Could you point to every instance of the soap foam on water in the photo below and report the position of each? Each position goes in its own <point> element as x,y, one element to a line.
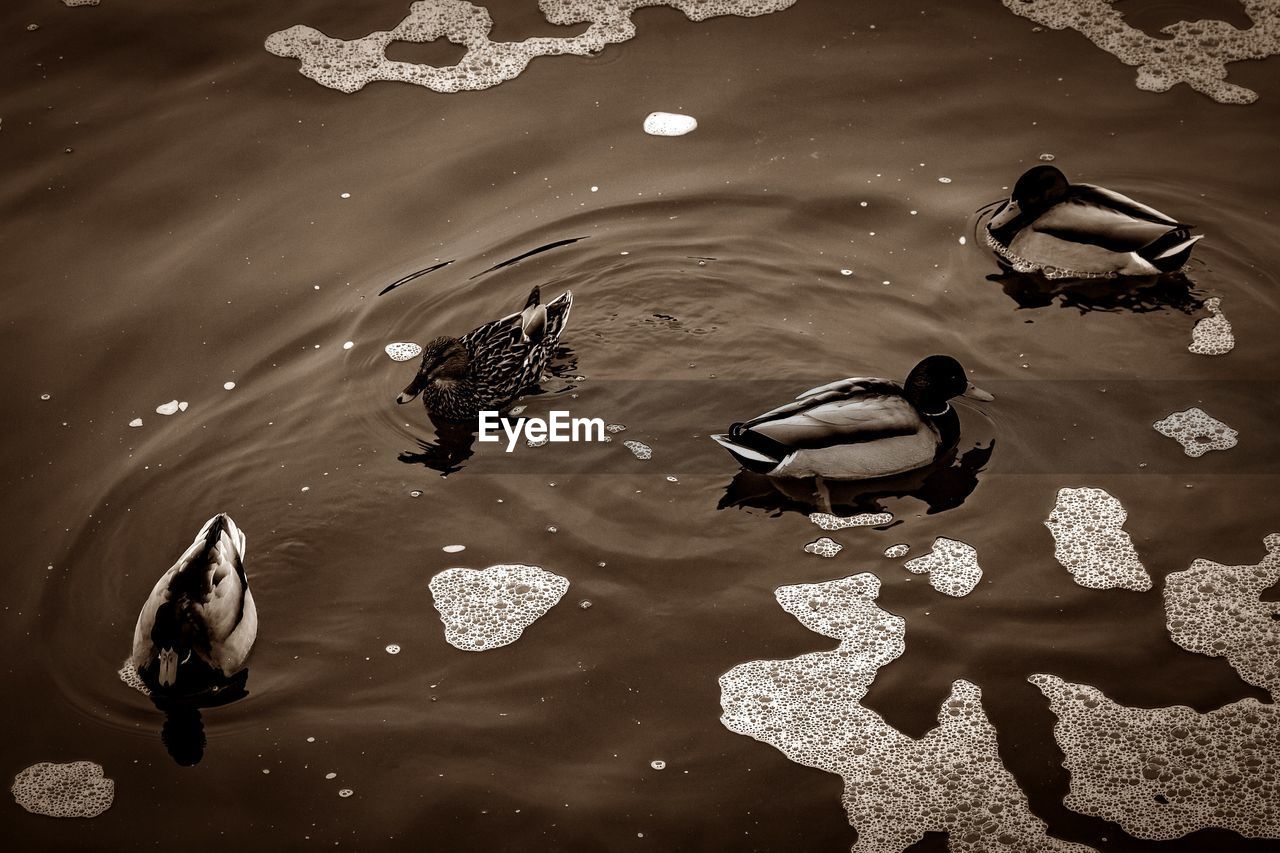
<point>824,547</point>
<point>491,608</point>
<point>1195,52</point>
<point>896,788</point>
<point>77,789</point>
<point>348,65</point>
<point>639,449</point>
<point>403,350</point>
<point>1212,335</point>
<point>1217,610</point>
<point>1089,542</point>
<point>669,124</point>
<point>1164,772</point>
<point>952,567</point>
<point>1197,431</point>
<point>827,521</point>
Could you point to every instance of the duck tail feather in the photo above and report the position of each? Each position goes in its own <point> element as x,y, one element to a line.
<point>753,451</point>
<point>1170,252</point>
<point>535,296</point>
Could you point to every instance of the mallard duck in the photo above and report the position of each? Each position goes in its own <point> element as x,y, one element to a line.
<point>859,428</point>
<point>201,607</point>
<point>489,367</point>
<point>1079,230</point>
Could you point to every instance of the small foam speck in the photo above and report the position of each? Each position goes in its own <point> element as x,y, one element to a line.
<point>899,550</point>
<point>824,547</point>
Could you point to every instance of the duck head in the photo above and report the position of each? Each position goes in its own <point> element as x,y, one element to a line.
<point>174,638</point>
<point>937,379</point>
<point>444,358</point>
<point>1039,188</point>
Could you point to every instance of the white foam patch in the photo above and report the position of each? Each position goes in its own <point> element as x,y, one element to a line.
<point>639,449</point>
<point>1217,610</point>
<point>169,408</point>
<point>1090,543</point>
<point>1212,335</point>
<point>1165,772</point>
<point>349,65</point>
<point>615,427</point>
<point>899,550</point>
<point>895,788</point>
<point>952,567</point>
<point>135,423</point>
<point>129,675</point>
<point>1197,431</point>
<point>403,350</point>
<point>74,3</point>
<point>1193,52</point>
<point>77,789</point>
<point>827,521</point>
<point>491,608</point>
<point>824,547</point>
<point>669,124</point>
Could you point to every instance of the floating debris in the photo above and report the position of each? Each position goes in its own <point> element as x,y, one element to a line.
<point>1197,431</point>
<point>1090,544</point>
<point>169,408</point>
<point>403,351</point>
<point>1217,610</point>
<point>1191,52</point>
<point>77,789</point>
<point>1165,772</point>
<point>1212,335</point>
<point>827,521</point>
<point>348,65</point>
<point>824,547</point>
<point>669,124</point>
<point>899,550</point>
<point>639,449</point>
<point>491,608</point>
<point>952,567</point>
<point>896,788</point>
<point>136,422</point>
<point>348,344</point>
<point>453,549</point>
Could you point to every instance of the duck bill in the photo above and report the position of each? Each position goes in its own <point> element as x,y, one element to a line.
<point>973,392</point>
<point>1004,215</point>
<point>168,673</point>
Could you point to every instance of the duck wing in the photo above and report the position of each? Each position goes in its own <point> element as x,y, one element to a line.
<point>851,410</point>
<point>1100,217</point>
<point>228,611</point>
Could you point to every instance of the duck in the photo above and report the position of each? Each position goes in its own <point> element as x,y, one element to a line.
<point>1081,230</point>
<point>200,611</point>
<point>489,367</point>
<point>859,428</point>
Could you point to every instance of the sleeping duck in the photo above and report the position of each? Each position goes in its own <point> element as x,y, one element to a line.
<point>489,367</point>
<point>1079,230</point>
<point>201,608</point>
<point>858,428</point>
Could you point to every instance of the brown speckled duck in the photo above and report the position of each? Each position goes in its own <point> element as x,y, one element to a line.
<point>488,368</point>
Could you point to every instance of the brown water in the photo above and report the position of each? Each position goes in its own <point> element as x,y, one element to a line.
<point>195,234</point>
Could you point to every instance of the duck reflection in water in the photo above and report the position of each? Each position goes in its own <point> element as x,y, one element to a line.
<point>183,731</point>
<point>854,441</point>
<point>1140,295</point>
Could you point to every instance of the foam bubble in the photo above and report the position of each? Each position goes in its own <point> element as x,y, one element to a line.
<point>1164,772</point>
<point>899,550</point>
<point>896,788</point>
<point>1216,610</point>
<point>952,567</point>
<point>491,608</point>
<point>349,65</point>
<point>824,547</point>
<point>1197,431</point>
<point>827,521</point>
<point>135,423</point>
<point>639,449</point>
<point>669,124</point>
<point>403,351</point>
<point>1212,335</point>
<point>1089,542</point>
<point>77,789</point>
<point>1195,52</point>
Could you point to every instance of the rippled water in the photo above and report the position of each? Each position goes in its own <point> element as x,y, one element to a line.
<point>181,210</point>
